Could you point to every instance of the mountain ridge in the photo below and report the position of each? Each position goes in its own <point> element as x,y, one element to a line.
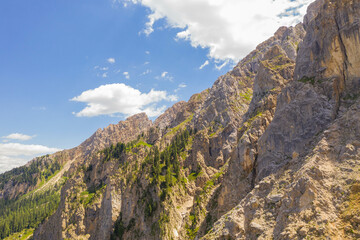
<point>270,151</point>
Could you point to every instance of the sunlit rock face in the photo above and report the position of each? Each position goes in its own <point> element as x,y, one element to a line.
<point>270,151</point>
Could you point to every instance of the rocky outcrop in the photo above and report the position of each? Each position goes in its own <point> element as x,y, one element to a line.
<point>274,72</point>
<point>124,131</point>
<point>330,51</point>
<point>270,151</point>
<point>167,119</point>
<point>304,176</point>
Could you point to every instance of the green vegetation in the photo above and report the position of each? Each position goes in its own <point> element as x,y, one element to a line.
<point>142,143</point>
<point>191,229</point>
<point>165,168</point>
<point>306,79</point>
<point>353,206</point>
<point>194,175</point>
<point>275,67</point>
<point>42,169</point>
<point>164,173</point>
<point>194,219</point>
<point>88,196</point>
<point>351,209</point>
<point>247,95</point>
<point>248,124</point>
<point>115,151</point>
<point>23,235</point>
<point>180,126</point>
<point>119,229</point>
<point>27,212</point>
<point>351,97</point>
<point>209,184</point>
<point>164,219</point>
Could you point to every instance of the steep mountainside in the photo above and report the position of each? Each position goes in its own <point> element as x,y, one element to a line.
<point>270,151</point>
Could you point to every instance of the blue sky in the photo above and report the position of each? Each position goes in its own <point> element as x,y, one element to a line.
<point>58,57</point>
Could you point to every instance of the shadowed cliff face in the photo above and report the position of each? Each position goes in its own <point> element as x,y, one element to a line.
<point>270,151</point>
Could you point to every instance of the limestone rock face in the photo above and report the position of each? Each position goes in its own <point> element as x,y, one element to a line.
<point>270,151</point>
<point>274,72</point>
<point>330,50</point>
<point>167,119</point>
<point>124,131</point>
<point>300,163</point>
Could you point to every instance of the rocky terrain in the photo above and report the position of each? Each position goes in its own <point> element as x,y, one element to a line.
<point>270,151</point>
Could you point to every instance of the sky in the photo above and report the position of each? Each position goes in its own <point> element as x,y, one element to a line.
<point>70,67</point>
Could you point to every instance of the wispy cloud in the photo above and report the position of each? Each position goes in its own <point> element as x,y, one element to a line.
<point>121,99</point>
<point>148,71</point>
<point>104,75</point>
<point>111,60</point>
<point>165,76</point>
<point>204,64</point>
<point>219,67</point>
<point>181,85</point>
<point>126,75</point>
<point>19,136</point>
<point>147,52</point>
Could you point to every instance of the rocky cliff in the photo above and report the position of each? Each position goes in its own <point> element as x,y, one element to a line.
<point>270,151</point>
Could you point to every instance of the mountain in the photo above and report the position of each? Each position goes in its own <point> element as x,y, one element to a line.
<point>270,151</point>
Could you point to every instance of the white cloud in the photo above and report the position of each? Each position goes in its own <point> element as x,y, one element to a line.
<point>181,85</point>
<point>8,163</point>
<point>204,64</point>
<point>229,28</point>
<point>17,149</point>
<point>16,154</point>
<point>18,136</point>
<point>163,75</point>
<point>146,63</point>
<point>126,75</point>
<point>119,98</point>
<point>152,18</point>
<point>148,71</point>
<point>104,68</point>
<point>147,52</point>
<point>219,67</point>
<point>104,75</point>
<point>111,60</point>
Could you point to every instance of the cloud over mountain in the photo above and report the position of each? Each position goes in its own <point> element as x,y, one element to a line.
<point>229,28</point>
<point>119,98</point>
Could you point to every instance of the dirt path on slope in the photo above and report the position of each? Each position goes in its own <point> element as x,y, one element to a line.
<point>57,177</point>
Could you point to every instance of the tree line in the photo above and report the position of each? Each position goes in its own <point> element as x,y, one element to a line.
<point>27,212</point>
